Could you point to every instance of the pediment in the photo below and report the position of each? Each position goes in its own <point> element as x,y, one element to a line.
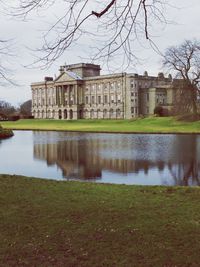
<point>67,76</point>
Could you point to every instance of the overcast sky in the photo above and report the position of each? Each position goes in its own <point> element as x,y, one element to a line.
<point>27,34</point>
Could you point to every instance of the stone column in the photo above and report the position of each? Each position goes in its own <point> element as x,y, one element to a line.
<point>109,99</point>
<point>56,96</point>
<point>62,96</point>
<point>68,87</point>
<point>75,95</point>
<point>152,100</point>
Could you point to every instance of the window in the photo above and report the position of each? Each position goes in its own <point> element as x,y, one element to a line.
<point>93,99</point>
<point>147,96</point>
<point>118,113</point>
<point>132,94</point>
<point>112,98</point>
<point>105,99</point>
<point>99,99</point>
<point>118,98</point>
<point>92,113</point>
<point>86,100</point>
<point>71,100</point>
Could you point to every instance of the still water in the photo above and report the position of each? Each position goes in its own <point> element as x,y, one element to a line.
<point>148,159</point>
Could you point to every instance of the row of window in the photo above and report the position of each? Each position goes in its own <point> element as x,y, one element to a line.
<point>143,84</point>
<point>85,113</point>
<point>134,94</point>
<point>134,100</point>
<point>104,86</point>
<point>103,99</point>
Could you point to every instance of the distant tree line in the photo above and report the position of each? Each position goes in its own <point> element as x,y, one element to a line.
<point>10,112</point>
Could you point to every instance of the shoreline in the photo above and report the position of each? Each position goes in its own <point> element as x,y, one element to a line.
<point>6,133</point>
<point>107,132</point>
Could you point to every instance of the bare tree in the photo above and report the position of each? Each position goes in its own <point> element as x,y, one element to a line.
<point>5,55</point>
<point>184,61</point>
<point>6,108</point>
<point>114,25</point>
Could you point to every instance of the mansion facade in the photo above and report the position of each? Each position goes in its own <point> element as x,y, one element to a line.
<point>80,92</point>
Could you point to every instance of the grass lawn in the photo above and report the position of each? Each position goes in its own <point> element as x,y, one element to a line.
<point>147,125</point>
<point>51,223</point>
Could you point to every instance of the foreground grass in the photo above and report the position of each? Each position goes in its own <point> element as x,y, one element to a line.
<point>50,223</point>
<point>148,125</point>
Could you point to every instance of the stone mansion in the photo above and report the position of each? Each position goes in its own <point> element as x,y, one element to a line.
<point>80,92</point>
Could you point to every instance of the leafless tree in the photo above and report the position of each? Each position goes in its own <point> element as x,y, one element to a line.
<point>6,108</point>
<point>5,55</point>
<point>184,61</point>
<point>114,25</point>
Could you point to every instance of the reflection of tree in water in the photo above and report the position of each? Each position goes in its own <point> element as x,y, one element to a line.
<point>187,170</point>
<point>85,158</point>
<point>186,174</point>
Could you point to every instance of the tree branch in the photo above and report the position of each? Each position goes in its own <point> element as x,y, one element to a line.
<point>100,14</point>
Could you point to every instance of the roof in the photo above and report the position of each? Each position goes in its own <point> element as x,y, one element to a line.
<point>73,75</point>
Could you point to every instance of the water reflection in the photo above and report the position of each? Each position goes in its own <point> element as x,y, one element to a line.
<point>174,158</point>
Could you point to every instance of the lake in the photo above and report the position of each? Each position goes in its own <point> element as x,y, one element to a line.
<point>143,159</point>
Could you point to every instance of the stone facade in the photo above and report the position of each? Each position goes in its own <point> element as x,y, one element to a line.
<point>80,92</point>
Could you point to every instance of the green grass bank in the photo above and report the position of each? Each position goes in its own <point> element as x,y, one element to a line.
<point>147,125</point>
<point>50,223</point>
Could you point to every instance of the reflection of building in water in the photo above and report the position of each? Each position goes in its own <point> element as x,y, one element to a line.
<point>84,156</point>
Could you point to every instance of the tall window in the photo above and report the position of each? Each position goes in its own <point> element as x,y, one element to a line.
<point>118,98</point>
<point>86,100</point>
<point>93,99</point>
<point>71,100</point>
<point>105,99</point>
<point>99,99</point>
